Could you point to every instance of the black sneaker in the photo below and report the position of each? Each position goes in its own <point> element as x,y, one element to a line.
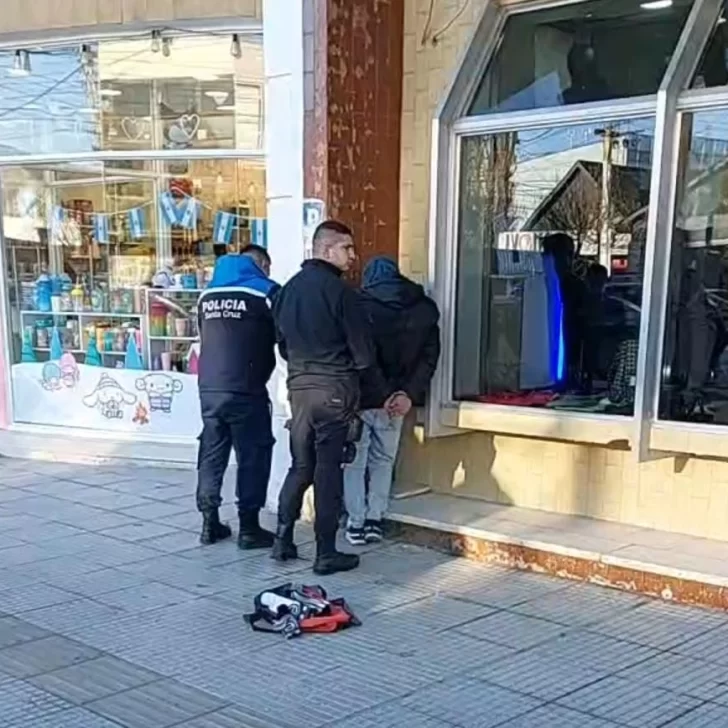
<point>373,532</point>
<point>356,536</point>
<point>333,563</point>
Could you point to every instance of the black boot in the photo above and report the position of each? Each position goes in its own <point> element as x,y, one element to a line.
<point>331,561</point>
<point>283,547</point>
<point>251,535</point>
<point>212,530</point>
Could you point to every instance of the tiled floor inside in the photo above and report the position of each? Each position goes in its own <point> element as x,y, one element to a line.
<point>112,616</point>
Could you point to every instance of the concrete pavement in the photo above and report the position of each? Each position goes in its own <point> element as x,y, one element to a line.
<point>112,616</point>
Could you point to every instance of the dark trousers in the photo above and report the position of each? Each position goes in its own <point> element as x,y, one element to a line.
<point>320,428</point>
<point>242,423</point>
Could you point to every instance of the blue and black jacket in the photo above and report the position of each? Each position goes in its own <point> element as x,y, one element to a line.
<point>237,333</point>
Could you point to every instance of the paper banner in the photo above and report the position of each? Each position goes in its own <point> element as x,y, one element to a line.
<point>224,226</point>
<point>101,228</point>
<point>259,231</point>
<point>136,222</point>
<point>168,208</point>
<point>187,213</point>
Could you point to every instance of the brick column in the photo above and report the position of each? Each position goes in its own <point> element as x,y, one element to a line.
<point>352,102</point>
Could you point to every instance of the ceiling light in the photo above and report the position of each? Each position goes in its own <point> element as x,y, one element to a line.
<point>166,47</point>
<point>156,41</point>
<point>721,20</point>
<point>656,4</point>
<point>236,50</point>
<point>226,107</point>
<point>86,55</point>
<point>88,110</point>
<point>109,92</point>
<point>21,64</point>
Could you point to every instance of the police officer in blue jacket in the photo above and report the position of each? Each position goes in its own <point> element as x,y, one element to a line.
<point>237,358</point>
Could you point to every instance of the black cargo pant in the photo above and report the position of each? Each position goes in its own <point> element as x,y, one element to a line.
<point>321,426</point>
<point>241,423</point>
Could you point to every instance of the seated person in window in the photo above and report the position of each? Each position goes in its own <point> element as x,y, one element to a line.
<point>593,316</point>
<point>560,247</point>
<point>586,83</point>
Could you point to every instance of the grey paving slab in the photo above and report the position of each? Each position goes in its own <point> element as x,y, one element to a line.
<point>174,542</point>
<point>33,596</point>
<point>96,582</point>
<point>103,520</point>
<point>14,631</point>
<point>50,531</point>
<point>22,704</point>
<point>707,715</point>
<point>233,718</point>
<point>663,626</point>
<point>95,477</point>
<point>39,656</point>
<point>629,703</point>
<point>94,679</point>
<point>595,651</point>
<point>546,678</point>
<point>139,531</point>
<point>512,630</point>
<point>710,647</point>
<point>146,596</point>
<point>154,510</point>
<point>64,618</point>
<point>554,716</point>
<point>156,705</point>
<point>680,674</point>
<point>73,718</point>
<point>390,716</point>
<point>581,605</point>
<point>470,703</point>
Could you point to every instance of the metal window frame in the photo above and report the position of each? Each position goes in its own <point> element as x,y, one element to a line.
<point>445,416</point>
<point>60,39</point>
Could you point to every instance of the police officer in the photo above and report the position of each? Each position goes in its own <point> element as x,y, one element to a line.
<point>237,358</point>
<point>326,341</point>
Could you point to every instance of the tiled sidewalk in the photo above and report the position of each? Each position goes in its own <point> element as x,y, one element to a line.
<point>111,615</point>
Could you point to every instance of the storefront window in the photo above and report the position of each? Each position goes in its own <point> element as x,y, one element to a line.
<point>176,92</point>
<point>695,373</point>
<point>551,246</point>
<point>581,52</point>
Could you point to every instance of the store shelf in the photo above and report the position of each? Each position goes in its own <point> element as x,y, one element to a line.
<point>83,314</point>
<point>174,338</point>
<point>177,290</point>
<point>65,351</point>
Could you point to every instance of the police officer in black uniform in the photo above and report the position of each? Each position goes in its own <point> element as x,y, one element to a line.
<point>326,340</point>
<point>237,358</point>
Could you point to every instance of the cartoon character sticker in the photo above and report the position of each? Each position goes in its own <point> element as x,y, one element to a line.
<point>141,416</point>
<point>51,377</point>
<point>70,373</point>
<point>109,398</point>
<point>160,389</point>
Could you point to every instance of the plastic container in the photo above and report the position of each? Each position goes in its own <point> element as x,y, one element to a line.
<point>158,319</point>
<point>77,296</point>
<point>43,293</point>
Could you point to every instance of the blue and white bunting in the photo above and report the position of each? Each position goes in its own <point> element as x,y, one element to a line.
<point>259,231</point>
<point>101,228</point>
<point>168,208</point>
<point>187,213</point>
<point>136,221</point>
<point>222,233</point>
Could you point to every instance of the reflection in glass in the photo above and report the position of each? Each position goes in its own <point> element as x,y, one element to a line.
<point>89,246</point>
<point>579,53</point>
<point>713,68</point>
<point>695,377</point>
<point>121,95</point>
<point>550,265</point>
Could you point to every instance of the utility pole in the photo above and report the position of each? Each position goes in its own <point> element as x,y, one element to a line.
<point>609,136</point>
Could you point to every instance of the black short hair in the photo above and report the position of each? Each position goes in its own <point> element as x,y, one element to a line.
<point>331,227</point>
<point>558,245</point>
<point>256,252</point>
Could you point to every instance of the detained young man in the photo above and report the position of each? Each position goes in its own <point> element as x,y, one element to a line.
<point>406,332</point>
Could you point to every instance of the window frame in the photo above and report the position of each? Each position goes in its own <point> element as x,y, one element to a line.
<point>444,415</point>
<point>55,39</point>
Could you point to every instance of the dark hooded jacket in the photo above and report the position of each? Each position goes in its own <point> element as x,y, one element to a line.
<point>406,331</point>
<point>237,333</point>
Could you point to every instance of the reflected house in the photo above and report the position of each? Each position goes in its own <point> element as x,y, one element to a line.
<point>576,206</point>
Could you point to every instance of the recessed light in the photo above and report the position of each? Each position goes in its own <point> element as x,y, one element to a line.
<point>109,92</point>
<point>656,5</point>
<point>226,107</point>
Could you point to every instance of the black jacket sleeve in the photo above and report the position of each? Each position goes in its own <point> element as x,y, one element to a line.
<point>419,381</point>
<point>279,338</point>
<point>357,331</point>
